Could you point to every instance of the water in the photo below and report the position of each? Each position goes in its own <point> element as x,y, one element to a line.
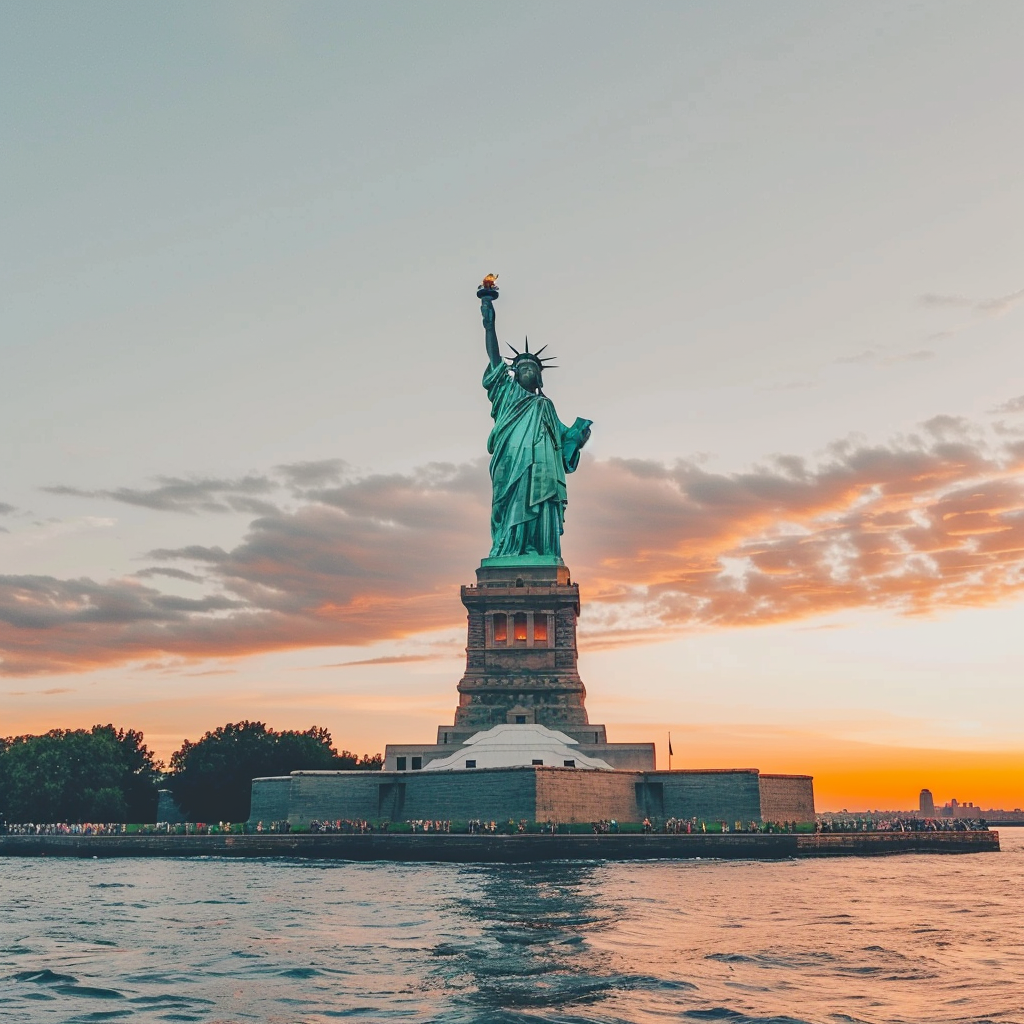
<point>919,938</point>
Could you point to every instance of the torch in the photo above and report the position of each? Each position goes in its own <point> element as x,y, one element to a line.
<point>488,289</point>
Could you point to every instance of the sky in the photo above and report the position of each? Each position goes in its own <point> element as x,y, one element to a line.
<point>776,248</point>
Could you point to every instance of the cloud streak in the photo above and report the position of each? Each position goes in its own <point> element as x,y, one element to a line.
<point>926,523</point>
<point>1013,405</point>
<point>390,659</point>
<point>999,305</point>
<point>199,495</point>
<point>188,496</point>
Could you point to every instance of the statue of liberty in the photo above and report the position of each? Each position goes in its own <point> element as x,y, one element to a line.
<point>531,449</point>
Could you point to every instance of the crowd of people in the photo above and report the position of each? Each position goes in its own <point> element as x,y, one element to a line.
<point>693,825</point>
<point>160,828</point>
<point>870,824</point>
<point>344,825</point>
<point>189,828</point>
<point>63,828</point>
<point>478,826</point>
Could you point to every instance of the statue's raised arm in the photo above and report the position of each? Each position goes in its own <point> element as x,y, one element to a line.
<point>531,449</point>
<point>487,293</point>
<point>490,334</point>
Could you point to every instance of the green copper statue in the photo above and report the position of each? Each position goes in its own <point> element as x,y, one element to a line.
<point>531,449</point>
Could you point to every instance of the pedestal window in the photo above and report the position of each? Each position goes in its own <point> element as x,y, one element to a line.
<point>540,628</point>
<point>519,628</point>
<point>500,628</point>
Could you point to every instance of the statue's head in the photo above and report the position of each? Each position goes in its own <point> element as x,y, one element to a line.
<point>528,367</point>
<point>528,373</point>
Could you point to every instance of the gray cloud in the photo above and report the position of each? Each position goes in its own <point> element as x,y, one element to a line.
<point>917,356</point>
<point>392,659</point>
<point>1001,304</point>
<point>869,355</point>
<point>957,301</point>
<point>313,474</point>
<point>48,693</point>
<point>7,510</point>
<point>194,552</point>
<point>790,385</point>
<point>873,356</point>
<point>48,624</point>
<point>174,574</point>
<point>997,306</point>
<point>1010,406</point>
<point>188,496</point>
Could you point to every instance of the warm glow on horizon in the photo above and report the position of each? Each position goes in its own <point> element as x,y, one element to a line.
<point>855,776</point>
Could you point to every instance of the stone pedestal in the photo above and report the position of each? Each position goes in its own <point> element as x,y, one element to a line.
<point>521,666</point>
<point>521,649</point>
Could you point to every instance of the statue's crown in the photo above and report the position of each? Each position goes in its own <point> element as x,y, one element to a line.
<point>533,357</point>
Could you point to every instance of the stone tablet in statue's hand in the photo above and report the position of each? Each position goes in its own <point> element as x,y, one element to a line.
<point>579,433</point>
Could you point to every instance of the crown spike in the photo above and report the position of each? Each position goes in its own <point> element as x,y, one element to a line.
<point>527,342</point>
<point>541,349</point>
<point>514,349</point>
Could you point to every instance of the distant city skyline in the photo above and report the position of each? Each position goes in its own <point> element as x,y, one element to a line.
<point>776,248</point>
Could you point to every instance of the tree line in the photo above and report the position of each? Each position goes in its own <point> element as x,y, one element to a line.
<point>106,774</point>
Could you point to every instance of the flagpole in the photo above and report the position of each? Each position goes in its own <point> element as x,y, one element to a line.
<point>670,751</point>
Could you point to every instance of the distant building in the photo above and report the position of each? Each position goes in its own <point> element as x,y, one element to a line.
<point>955,809</point>
<point>927,803</point>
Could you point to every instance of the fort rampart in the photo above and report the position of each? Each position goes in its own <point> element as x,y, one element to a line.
<point>534,794</point>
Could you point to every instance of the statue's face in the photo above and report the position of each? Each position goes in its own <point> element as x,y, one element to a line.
<point>528,375</point>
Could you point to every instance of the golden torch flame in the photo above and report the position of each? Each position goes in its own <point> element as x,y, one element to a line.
<point>489,280</point>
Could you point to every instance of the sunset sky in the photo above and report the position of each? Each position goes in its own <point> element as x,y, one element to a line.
<point>777,249</point>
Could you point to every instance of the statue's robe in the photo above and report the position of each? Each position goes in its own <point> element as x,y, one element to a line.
<point>531,451</point>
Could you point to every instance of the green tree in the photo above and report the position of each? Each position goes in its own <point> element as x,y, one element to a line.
<point>346,761</point>
<point>104,774</point>
<point>212,778</point>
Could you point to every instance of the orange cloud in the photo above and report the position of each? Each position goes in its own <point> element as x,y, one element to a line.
<point>915,528</point>
<point>929,522</point>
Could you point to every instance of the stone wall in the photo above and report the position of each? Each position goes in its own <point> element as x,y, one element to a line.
<point>568,794</point>
<point>270,799</point>
<point>354,796</point>
<point>728,795</point>
<point>499,794</point>
<point>488,794</point>
<point>787,797</point>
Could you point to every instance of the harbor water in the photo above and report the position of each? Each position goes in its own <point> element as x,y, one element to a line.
<point>912,938</point>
